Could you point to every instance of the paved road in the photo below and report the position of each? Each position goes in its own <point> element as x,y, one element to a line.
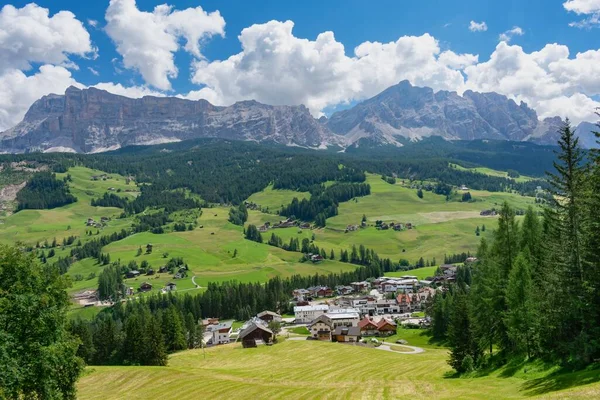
<point>415,350</point>
<point>384,347</point>
<point>194,282</point>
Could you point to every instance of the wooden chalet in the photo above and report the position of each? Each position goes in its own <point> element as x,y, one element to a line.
<point>367,327</point>
<point>346,334</point>
<point>269,316</point>
<point>256,334</point>
<point>386,327</point>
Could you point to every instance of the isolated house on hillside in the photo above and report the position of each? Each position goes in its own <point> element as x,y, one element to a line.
<point>145,287</point>
<point>133,274</point>
<point>256,334</point>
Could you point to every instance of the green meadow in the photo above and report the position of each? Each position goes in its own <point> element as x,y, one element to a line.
<point>273,199</point>
<point>442,227</point>
<point>31,226</point>
<point>492,172</point>
<point>217,251</point>
<point>324,370</point>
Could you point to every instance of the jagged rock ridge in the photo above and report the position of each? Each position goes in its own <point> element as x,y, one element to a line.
<point>406,111</point>
<point>93,120</point>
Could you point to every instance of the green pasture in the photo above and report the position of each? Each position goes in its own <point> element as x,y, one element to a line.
<point>324,370</point>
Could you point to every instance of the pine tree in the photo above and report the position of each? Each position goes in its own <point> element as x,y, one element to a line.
<point>521,317</point>
<point>592,265</point>
<point>173,330</point>
<point>154,345</point>
<point>133,344</point>
<point>483,297</point>
<point>568,224</point>
<point>460,335</point>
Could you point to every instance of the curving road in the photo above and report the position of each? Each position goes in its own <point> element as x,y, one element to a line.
<point>415,350</point>
<point>384,347</point>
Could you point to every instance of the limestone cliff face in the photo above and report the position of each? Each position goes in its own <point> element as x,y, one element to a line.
<point>406,111</point>
<point>93,120</point>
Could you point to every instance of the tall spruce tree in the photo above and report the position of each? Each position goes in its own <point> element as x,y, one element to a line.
<point>460,334</point>
<point>484,298</point>
<point>568,225</point>
<point>592,267</point>
<point>522,316</point>
<point>154,345</point>
<point>502,256</point>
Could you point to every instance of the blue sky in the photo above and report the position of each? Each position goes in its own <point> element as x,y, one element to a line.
<point>551,82</point>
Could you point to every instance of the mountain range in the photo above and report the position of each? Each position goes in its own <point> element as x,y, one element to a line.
<point>93,120</point>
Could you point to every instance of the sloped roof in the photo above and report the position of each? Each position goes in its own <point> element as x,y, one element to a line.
<point>251,328</point>
<point>383,322</point>
<point>266,312</point>
<point>366,321</point>
<point>321,318</point>
<point>347,330</point>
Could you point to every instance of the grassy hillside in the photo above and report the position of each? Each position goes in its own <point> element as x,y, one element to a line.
<point>493,172</point>
<point>443,227</point>
<point>272,199</point>
<point>317,370</point>
<point>30,226</point>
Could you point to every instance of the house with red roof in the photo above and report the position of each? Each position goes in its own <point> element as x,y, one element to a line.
<point>367,326</point>
<point>404,302</point>
<point>386,327</point>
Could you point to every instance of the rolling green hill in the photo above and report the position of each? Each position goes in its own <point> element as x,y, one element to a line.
<point>442,227</point>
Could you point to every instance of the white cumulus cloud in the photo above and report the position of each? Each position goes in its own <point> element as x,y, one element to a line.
<point>548,80</point>
<point>30,34</point>
<point>478,26</point>
<point>591,8</point>
<point>18,91</point>
<point>276,67</point>
<point>509,34</point>
<point>147,41</point>
<point>134,92</point>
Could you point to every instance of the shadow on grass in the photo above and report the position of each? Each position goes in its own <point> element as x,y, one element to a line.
<point>560,380</point>
<point>550,379</point>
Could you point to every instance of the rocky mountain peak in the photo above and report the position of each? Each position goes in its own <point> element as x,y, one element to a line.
<point>91,120</point>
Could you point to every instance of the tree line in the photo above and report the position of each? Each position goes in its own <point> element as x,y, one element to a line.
<point>44,191</point>
<point>535,291</point>
<point>324,202</point>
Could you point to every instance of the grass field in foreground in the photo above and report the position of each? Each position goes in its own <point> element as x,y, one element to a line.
<point>318,370</point>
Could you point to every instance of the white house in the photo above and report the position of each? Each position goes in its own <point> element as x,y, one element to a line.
<point>306,314</point>
<point>221,332</point>
<point>320,328</point>
<point>343,319</point>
